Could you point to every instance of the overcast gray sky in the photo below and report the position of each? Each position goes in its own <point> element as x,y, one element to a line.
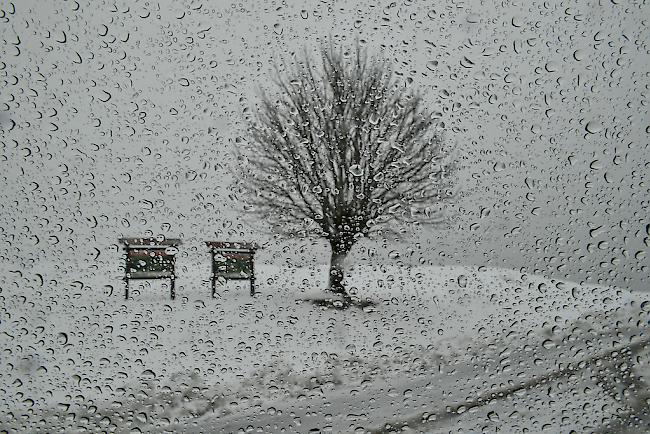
<point>120,118</point>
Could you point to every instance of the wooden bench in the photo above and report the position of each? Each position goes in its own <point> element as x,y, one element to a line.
<point>150,258</point>
<point>232,261</point>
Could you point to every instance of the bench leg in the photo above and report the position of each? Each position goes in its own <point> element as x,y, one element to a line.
<point>173,288</point>
<point>126,288</point>
<point>214,288</point>
<point>252,278</point>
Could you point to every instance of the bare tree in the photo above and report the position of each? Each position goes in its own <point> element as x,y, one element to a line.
<point>343,150</point>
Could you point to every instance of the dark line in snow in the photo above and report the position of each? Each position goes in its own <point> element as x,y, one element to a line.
<point>430,419</point>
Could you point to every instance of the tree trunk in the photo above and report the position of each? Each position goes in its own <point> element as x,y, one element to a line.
<point>337,271</point>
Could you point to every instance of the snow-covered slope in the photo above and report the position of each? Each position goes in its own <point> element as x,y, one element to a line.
<point>76,354</point>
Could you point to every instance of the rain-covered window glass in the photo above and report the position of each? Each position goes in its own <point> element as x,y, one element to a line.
<point>324,216</point>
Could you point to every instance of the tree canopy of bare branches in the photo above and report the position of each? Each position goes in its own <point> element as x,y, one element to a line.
<point>342,150</point>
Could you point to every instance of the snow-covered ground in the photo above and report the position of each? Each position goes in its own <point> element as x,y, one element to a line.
<point>444,349</point>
